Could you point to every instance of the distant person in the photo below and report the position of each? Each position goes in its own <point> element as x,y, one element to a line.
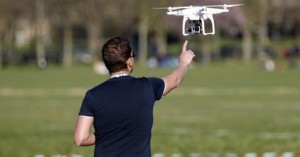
<point>293,57</point>
<point>121,108</point>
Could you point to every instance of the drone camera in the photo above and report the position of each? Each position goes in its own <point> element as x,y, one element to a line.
<point>194,30</point>
<point>195,27</point>
<point>196,22</point>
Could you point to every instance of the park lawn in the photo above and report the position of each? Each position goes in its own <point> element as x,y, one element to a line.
<point>219,108</point>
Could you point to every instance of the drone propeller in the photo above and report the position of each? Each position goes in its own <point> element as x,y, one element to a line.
<point>225,5</point>
<point>174,8</point>
<point>161,8</point>
<point>185,7</point>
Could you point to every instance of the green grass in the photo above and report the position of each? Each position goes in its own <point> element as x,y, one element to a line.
<point>223,107</point>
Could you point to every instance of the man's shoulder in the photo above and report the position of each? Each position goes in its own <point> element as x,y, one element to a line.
<point>98,87</point>
<point>154,79</point>
<point>150,78</point>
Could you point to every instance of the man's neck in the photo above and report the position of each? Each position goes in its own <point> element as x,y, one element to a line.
<point>119,74</point>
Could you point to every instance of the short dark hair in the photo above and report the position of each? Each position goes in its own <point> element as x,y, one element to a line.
<point>115,53</point>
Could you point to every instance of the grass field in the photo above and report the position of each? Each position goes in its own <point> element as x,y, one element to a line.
<point>221,108</point>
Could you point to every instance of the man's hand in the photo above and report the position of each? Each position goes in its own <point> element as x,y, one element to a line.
<point>186,56</point>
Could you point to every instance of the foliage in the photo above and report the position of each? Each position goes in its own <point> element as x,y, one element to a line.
<point>136,19</point>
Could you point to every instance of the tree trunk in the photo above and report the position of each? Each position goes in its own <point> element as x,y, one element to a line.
<point>68,45</point>
<point>143,38</point>
<point>263,38</point>
<point>247,42</point>
<point>161,41</point>
<point>1,52</point>
<point>40,34</point>
<point>94,42</point>
<point>263,30</point>
<point>206,49</point>
<point>40,50</point>
<point>216,43</point>
<point>9,42</point>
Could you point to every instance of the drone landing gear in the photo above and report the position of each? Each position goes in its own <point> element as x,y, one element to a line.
<point>195,27</point>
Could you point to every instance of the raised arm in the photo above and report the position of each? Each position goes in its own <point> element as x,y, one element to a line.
<point>176,76</point>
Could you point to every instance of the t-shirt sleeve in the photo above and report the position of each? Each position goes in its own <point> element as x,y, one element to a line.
<point>86,106</point>
<point>158,86</point>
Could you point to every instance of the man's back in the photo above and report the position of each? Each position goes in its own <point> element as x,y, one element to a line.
<point>123,115</point>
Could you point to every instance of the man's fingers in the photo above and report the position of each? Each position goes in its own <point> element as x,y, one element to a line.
<point>184,45</point>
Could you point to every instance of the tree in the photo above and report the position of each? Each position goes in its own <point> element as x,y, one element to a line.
<point>63,13</point>
<point>159,26</point>
<point>10,14</point>
<point>92,18</point>
<point>41,26</point>
<point>265,15</point>
<point>95,19</point>
<point>249,25</point>
<point>284,19</point>
<point>262,32</point>
<point>143,31</point>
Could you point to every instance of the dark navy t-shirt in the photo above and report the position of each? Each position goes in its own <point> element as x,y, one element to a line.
<point>123,115</point>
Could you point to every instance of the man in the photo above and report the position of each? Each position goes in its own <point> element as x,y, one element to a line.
<point>121,108</point>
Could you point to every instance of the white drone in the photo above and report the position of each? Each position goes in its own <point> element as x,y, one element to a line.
<point>196,16</point>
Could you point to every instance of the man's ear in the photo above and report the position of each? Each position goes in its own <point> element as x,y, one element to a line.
<point>129,62</point>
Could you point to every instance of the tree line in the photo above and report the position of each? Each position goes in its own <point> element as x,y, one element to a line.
<point>256,21</point>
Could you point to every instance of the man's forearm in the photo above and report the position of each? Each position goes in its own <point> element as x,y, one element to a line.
<point>174,79</point>
<point>178,74</point>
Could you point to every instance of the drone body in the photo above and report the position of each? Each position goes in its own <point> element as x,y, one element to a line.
<point>196,15</point>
